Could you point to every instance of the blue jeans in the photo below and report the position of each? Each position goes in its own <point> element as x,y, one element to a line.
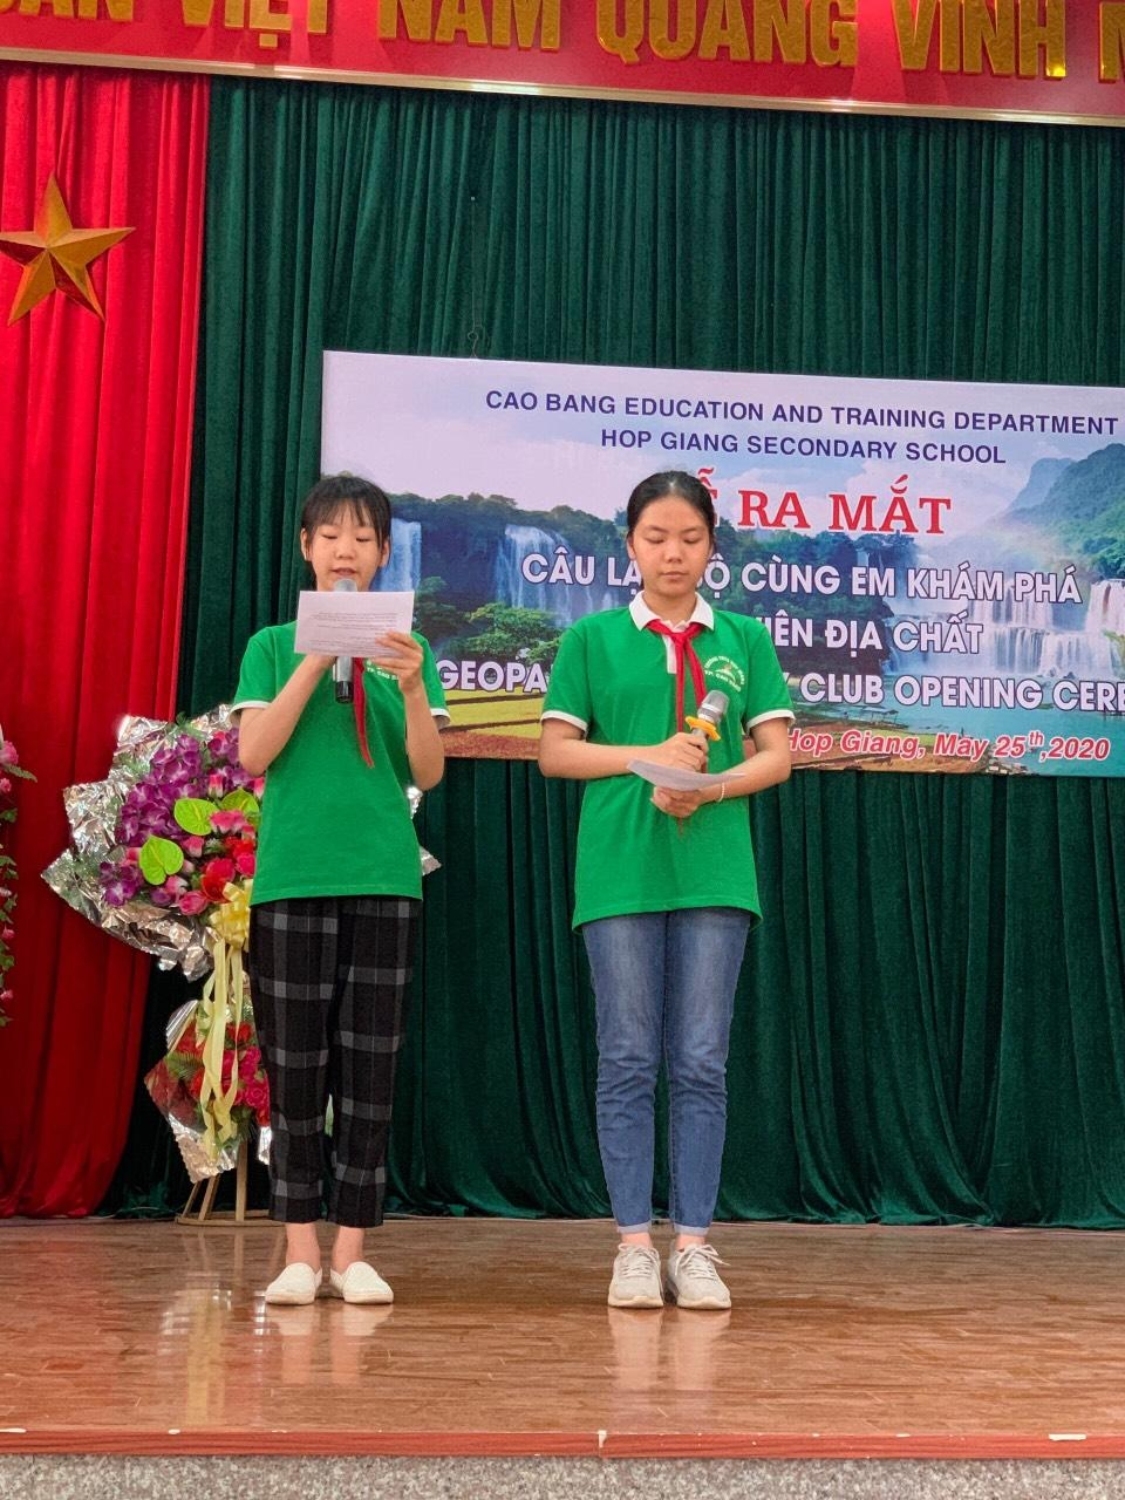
<point>664,985</point>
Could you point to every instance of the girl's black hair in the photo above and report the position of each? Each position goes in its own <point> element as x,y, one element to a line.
<point>329,496</point>
<point>677,484</point>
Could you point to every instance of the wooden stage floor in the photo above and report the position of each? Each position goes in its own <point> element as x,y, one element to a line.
<point>843,1343</point>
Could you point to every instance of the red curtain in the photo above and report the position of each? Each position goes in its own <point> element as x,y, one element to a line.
<point>95,434</point>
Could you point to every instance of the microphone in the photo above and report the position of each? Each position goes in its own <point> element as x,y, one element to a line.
<point>342,667</point>
<point>707,718</point>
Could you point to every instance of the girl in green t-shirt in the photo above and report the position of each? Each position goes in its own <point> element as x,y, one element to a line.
<point>665,884</point>
<point>335,908</point>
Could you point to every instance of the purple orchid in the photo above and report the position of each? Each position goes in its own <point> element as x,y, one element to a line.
<point>120,883</point>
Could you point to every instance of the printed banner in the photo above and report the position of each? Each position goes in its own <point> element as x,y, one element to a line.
<point>1037,59</point>
<point>941,566</point>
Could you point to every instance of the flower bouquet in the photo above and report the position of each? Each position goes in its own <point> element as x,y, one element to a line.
<point>163,857</point>
<point>187,828</point>
<point>177,1082</point>
<point>10,769</point>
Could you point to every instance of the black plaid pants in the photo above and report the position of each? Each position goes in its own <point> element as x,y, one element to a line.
<point>329,975</point>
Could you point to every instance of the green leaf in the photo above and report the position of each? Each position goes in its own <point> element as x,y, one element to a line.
<point>182,1067</point>
<point>242,801</point>
<point>159,858</point>
<point>193,814</point>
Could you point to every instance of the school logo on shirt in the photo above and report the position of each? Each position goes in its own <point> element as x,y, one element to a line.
<point>377,671</point>
<point>724,670</point>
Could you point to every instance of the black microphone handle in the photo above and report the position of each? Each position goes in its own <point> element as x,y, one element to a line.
<point>342,670</point>
<point>343,666</point>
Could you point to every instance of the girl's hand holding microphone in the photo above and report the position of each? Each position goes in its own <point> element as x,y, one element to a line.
<point>687,752</point>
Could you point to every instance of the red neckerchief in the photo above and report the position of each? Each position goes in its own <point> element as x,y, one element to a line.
<point>681,640</point>
<point>359,702</point>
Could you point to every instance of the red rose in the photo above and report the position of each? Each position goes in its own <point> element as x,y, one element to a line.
<point>258,1097</point>
<point>217,874</point>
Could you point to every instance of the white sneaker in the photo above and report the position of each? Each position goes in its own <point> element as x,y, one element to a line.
<point>693,1280</point>
<point>297,1286</point>
<point>636,1278</point>
<point>360,1283</point>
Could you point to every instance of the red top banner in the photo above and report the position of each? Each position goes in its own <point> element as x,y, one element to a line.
<point>1017,59</point>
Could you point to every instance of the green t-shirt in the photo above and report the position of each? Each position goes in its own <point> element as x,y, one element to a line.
<point>331,824</point>
<point>611,678</point>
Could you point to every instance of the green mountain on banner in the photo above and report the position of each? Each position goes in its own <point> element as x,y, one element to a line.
<point>1069,511</point>
<point>1043,474</point>
<point>1081,513</point>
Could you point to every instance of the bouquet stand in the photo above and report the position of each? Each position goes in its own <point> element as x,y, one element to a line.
<point>207,1190</point>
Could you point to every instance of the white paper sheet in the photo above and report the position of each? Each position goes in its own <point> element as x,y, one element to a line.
<point>675,779</point>
<point>337,624</point>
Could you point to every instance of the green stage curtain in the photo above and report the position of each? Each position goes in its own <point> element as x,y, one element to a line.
<point>930,1024</point>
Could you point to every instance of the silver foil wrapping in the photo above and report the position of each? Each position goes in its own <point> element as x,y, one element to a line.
<point>199,1162</point>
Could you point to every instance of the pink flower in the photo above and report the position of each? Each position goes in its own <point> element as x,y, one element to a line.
<point>216,785</point>
<point>8,934</point>
<point>5,784</point>
<point>8,754</point>
<point>7,996</point>
<point>245,864</point>
<point>193,846</point>
<point>230,822</point>
<point>170,892</point>
<point>191,903</point>
<point>258,1097</point>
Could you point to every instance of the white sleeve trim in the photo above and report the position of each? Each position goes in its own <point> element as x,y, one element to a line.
<point>236,708</point>
<point>772,713</point>
<point>557,713</point>
<point>441,713</point>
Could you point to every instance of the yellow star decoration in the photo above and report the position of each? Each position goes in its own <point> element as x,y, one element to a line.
<point>55,255</point>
